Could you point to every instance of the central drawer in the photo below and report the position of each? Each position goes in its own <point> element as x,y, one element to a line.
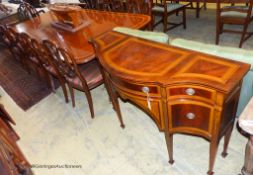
<point>192,91</point>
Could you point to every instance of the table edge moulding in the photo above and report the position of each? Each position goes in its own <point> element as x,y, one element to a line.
<point>183,91</point>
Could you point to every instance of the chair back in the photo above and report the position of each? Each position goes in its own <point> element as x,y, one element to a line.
<point>87,75</point>
<point>69,68</point>
<point>9,36</point>
<point>22,43</point>
<point>90,4</point>
<point>161,3</point>
<point>3,29</point>
<point>245,11</point>
<point>26,11</point>
<point>38,50</point>
<point>51,55</point>
<point>139,6</point>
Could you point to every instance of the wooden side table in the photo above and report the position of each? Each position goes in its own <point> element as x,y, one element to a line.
<point>246,123</point>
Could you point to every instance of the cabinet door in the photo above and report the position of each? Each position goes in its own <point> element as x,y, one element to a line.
<point>191,117</point>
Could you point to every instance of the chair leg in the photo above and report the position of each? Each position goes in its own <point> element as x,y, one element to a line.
<point>217,38</point>
<point>197,9</point>
<point>152,22</point>
<point>184,18</point>
<point>205,7</point>
<point>38,72</point>
<point>89,99</point>
<point>218,32</point>
<point>165,21</point>
<point>50,81</point>
<point>64,89</point>
<point>243,35</point>
<point>72,95</point>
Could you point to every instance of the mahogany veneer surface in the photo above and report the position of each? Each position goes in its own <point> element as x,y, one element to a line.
<point>77,42</point>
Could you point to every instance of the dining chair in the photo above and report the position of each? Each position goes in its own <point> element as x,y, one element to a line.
<point>47,53</point>
<point>198,6</point>
<point>90,4</point>
<point>234,15</point>
<point>139,6</point>
<point>26,45</point>
<point>22,50</point>
<point>8,36</point>
<point>105,5</point>
<point>164,9</point>
<point>3,28</point>
<point>83,77</point>
<point>11,40</point>
<point>26,11</point>
<point>39,56</point>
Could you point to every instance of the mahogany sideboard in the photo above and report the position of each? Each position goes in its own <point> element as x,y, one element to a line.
<point>182,91</point>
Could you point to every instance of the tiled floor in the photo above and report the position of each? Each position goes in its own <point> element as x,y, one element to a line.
<point>52,133</point>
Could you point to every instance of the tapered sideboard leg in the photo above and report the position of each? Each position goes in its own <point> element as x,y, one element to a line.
<point>169,142</point>
<point>212,155</point>
<point>226,141</point>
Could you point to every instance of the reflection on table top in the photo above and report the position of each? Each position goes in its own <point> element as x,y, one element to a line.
<point>76,43</point>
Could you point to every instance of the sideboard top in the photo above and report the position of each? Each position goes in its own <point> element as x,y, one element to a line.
<point>139,60</point>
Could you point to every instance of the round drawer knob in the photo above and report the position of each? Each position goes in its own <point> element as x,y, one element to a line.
<point>190,91</point>
<point>190,116</point>
<point>145,89</point>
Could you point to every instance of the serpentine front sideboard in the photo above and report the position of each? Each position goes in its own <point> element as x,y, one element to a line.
<point>183,91</point>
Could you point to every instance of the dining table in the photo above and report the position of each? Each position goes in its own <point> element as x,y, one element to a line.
<point>77,43</point>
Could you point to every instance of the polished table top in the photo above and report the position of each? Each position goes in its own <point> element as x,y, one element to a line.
<point>146,61</point>
<point>41,28</point>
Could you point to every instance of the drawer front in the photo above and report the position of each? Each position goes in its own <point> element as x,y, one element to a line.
<point>193,91</point>
<point>153,107</point>
<point>139,89</point>
<point>191,117</point>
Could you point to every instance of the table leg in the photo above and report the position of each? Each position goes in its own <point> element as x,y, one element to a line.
<point>248,160</point>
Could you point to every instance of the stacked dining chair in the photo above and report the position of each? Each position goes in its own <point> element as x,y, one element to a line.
<point>81,77</point>
<point>26,11</point>
<point>165,9</point>
<point>240,15</point>
<point>47,55</point>
<point>11,41</point>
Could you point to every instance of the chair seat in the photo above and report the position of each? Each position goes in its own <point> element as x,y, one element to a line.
<point>170,7</point>
<point>91,72</point>
<point>234,13</point>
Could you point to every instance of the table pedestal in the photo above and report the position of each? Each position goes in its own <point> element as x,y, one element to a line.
<point>248,161</point>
